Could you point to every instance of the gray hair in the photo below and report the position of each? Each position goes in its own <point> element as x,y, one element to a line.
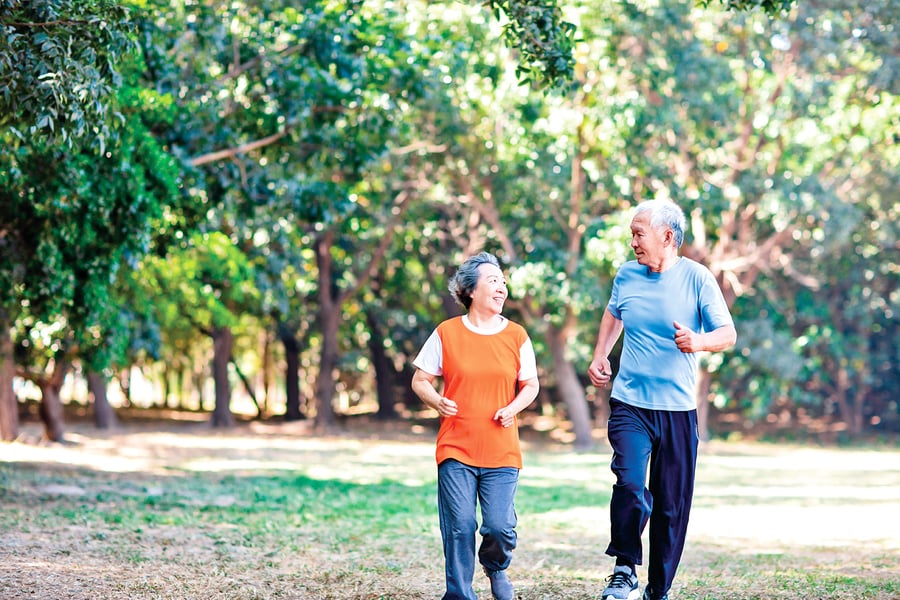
<point>665,213</point>
<point>463,282</point>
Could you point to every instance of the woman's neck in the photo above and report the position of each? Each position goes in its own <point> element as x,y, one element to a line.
<point>484,319</point>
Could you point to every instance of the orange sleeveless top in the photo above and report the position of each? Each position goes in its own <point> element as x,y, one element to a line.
<point>480,374</point>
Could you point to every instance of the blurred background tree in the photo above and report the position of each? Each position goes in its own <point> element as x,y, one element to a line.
<point>256,210</point>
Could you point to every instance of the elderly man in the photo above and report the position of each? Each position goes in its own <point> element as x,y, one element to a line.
<point>670,308</point>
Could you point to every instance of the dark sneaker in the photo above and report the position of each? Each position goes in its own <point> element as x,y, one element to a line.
<point>649,595</point>
<point>623,585</point>
<point>501,586</point>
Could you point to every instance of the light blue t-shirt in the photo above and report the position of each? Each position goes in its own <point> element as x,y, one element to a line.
<point>653,372</point>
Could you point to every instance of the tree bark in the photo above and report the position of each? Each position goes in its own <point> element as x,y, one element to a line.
<point>704,380</point>
<point>104,415</point>
<point>223,340</point>
<point>125,385</point>
<point>570,389</point>
<point>266,375</point>
<point>850,405</point>
<point>328,362</point>
<point>384,371</point>
<point>51,408</point>
<point>332,299</point>
<point>51,411</point>
<point>292,409</point>
<point>248,387</point>
<point>9,406</point>
<point>167,386</point>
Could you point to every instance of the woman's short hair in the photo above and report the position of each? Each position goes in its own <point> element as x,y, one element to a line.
<point>665,213</point>
<point>464,281</point>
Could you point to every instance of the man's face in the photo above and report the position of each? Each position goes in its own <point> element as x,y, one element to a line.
<point>649,244</point>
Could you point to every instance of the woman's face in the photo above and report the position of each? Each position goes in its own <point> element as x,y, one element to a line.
<point>490,293</point>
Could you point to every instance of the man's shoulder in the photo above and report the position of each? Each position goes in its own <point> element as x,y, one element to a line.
<point>630,269</point>
<point>695,268</point>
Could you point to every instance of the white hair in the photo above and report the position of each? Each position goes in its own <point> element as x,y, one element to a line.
<point>665,213</point>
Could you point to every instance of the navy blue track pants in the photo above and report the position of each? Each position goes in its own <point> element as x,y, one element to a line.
<point>664,445</point>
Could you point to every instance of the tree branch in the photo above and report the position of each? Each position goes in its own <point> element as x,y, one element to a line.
<point>49,23</point>
<point>400,205</point>
<point>242,149</point>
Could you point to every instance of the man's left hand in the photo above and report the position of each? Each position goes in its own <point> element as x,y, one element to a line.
<point>686,340</point>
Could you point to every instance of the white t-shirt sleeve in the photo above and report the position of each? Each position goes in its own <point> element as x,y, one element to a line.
<point>527,361</point>
<point>430,358</point>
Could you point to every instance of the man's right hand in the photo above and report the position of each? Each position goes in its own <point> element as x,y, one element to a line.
<point>600,372</point>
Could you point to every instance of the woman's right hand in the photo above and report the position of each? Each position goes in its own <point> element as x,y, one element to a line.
<point>447,407</point>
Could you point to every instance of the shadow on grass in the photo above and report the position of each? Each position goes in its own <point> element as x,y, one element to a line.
<point>330,524</point>
<point>69,493</point>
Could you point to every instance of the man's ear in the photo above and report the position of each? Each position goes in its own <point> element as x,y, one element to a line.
<point>669,237</point>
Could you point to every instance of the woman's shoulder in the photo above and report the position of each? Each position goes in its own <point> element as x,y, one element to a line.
<point>451,323</point>
<point>515,328</point>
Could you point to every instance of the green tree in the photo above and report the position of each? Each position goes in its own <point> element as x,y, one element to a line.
<point>760,129</point>
<point>283,113</point>
<point>74,200</point>
<point>58,75</point>
<point>210,287</point>
<point>709,109</point>
<point>70,221</point>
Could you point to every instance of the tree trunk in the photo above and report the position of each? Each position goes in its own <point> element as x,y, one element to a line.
<point>292,410</point>
<point>859,417</point>
<point>247,386</point>
<point>167,385</point>
<point>266,371</point>
<point>51,410</point>
<point>704,380</point>
<point>570,389</point>
<point>180,379</point>
<point>327,363</point>
<point>163,399</point>
<point>850,406</point>
<point>104,415</point>
<point>125,385</point>
<point>331,301</point>
<point>329,318</point>
<point>9,406</point>
<point>384,370</point>
<point>601,408</point>
<point>223,340</point>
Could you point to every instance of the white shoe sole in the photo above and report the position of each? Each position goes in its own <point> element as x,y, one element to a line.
<point>633,595</point>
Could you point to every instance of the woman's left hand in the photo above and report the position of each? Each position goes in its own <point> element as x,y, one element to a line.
<point>505,416</point>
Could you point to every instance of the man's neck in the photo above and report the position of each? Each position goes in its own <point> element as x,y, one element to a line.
<point>667,263</point>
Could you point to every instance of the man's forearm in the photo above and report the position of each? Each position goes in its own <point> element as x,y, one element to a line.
<point>719,339</point>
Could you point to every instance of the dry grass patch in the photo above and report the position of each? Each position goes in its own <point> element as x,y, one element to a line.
<point>272,512</point>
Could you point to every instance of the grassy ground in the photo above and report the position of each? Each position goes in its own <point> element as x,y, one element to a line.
<point>270,511</point>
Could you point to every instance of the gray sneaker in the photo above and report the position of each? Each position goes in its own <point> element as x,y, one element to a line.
<point>501,586</point>
<point>623,585</point>
<point>649,595</point>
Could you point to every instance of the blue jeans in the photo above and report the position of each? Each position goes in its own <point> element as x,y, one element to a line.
<point>665,442</point>
<point>459,486</point>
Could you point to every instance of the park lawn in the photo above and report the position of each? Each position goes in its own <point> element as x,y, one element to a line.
<point>266,512</point>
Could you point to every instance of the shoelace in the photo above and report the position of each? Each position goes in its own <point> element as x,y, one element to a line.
<point>619,579</point>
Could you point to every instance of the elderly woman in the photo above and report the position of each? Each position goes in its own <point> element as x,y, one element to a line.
<point>489,375</point>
